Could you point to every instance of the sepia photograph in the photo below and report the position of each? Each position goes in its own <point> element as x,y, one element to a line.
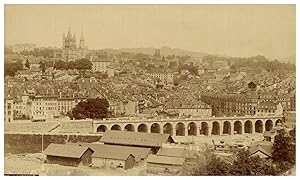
<point>149,90</point>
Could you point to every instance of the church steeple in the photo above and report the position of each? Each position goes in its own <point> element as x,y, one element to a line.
<point>70,50</point>
<point>81,43</point>
<point>69,33</point>
<point>64,39</point>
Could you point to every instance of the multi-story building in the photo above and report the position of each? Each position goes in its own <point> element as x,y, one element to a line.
<point>190,109</point>
<point>290,119</point>
<point>268,108</point>
<point>247,104</point>
<point>162,77</point>
<point>8,109</point>
<point>229,105</point>
<point>44,107</point>
<point>100,64</point>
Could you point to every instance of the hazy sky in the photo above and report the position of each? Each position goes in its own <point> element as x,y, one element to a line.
<point>236,30</point>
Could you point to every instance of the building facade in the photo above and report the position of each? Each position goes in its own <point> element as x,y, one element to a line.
<point>162,77</point>
<point>100,65</point>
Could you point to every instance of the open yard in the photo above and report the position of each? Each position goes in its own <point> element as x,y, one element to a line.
<point>32,164</point>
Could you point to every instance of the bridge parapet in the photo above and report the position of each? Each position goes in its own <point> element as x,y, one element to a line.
<point>211,119</point>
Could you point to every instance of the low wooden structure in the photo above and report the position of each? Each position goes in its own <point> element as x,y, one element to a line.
<point>109,157</point>
<point>164,164</point>
<point>68,155</point>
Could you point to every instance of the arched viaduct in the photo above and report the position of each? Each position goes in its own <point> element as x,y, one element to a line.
<point>191,126</point>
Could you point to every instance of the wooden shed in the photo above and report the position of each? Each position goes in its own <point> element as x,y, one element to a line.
<point>262,149</point>
<point>68,155</point>
<point>140,153</point>
<point>110,157</point>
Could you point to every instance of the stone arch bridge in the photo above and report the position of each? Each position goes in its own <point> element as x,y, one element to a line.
<point>191,126</point>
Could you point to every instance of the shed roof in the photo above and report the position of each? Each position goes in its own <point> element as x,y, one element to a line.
<point>265,147</point>
<point>165,160</point>
<point>66,150</point>
<point>111,153</point>
<point>176,152</point>
<point>108,151</point>
<point>135,138</point>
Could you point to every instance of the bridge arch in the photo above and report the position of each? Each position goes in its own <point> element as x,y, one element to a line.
<point>237,127</point>
<point>101,128</point>
<point>248,126</point>
<point>116,127</point>
<point>192,129</point>
<point>204,128</point>
<point>155,128</point>
<point>226,127</point>
<point>259,126</point>
<point>168,129</point>
<point>215,128</point>
<point>129,127</point>
<point>180,129</point>
<point>269,125</point>
<point>142,128</point>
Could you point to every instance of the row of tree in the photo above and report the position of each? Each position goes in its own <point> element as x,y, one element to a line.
<point>80,64</point>
<point>183,58</point>
<point>10,68</point>
<point>283,158</point>
<point>252,62</point>
<point>45,52</point>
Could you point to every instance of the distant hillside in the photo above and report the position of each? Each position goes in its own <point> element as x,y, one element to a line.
<point>288,59</point>
<point>164,51</point>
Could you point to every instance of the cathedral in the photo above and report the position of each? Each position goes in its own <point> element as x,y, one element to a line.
<point>70,52</point>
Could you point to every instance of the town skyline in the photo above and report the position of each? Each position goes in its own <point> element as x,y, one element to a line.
<point>217,35</point>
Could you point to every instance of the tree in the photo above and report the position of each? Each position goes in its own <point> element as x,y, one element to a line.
<point>240,164</point>
<point>43,66</point>
<point>141,56</point>
<point>60,65</point>
<point>70,65</point>
<point>83,64</point>
<point>10,69</point>
<point>284,148</point>
<point>27,64</point>
<point>45,52</point>
<point>92,108</point>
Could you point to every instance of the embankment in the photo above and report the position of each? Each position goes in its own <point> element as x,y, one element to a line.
<point>17,143</point>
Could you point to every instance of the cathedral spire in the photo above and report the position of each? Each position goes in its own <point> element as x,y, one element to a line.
<point>81,36</point>
<point>81,42</point>
<point>69,33</point>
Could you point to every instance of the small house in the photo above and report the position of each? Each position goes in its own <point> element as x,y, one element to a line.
<point>263,149</point>
<point>68,155</point>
